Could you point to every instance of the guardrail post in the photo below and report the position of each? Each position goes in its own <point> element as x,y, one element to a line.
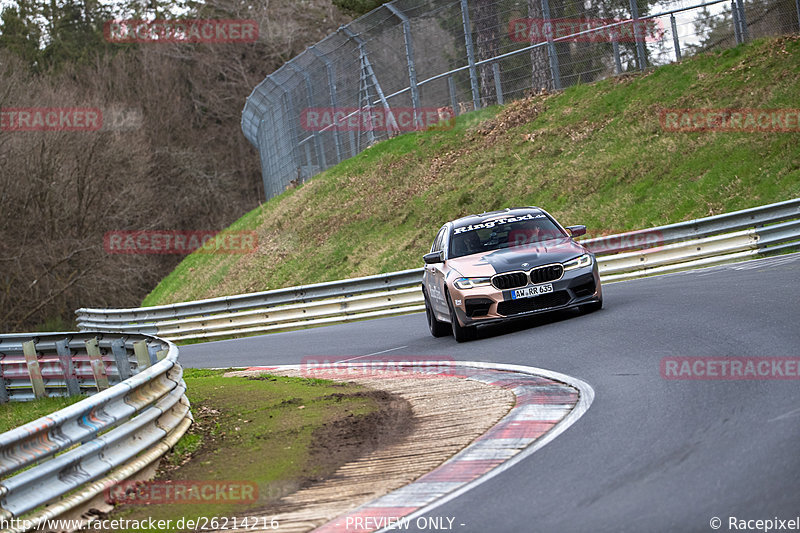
<point>121,358</point>
<point>675,42</point>
<point>161,354</point>
<point>412,69</point>
<point>473,72</point>
<point>34,371</point>
<point>552,53</point>
<point>3,391</point>
<point>152,350</point>
<point>637,35</point>
<point>142,355</point>
<point>498,85</point>
<point>97,364</point>
<point>65,362</point>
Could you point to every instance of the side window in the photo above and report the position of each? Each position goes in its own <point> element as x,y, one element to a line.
<point>437,243</point>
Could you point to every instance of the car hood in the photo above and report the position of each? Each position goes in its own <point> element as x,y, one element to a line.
<point>510,259</point>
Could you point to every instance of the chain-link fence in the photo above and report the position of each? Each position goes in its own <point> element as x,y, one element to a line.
<point>409,63</point>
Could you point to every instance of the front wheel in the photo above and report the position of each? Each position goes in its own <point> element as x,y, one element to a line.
<point>461,333</point>
<point>438,328</point>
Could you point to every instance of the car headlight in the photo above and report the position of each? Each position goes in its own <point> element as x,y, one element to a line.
<point>471,283</point>
<point>579,262</point>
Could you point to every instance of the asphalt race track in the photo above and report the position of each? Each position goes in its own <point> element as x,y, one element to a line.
<point>650,454</point>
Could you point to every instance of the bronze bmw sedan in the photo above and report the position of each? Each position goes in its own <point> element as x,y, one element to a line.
<point>502,265</point>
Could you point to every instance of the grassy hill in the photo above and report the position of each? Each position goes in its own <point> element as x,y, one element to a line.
<point>593,154</point>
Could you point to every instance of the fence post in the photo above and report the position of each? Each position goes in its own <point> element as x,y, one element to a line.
<point>555,70</point>
<point>473,72</point>
<point>331,71</point>
<point>617,59</point>
<point>743,21</point>
<point>142,355</point>
<point>412,69</point>
<point>370,74</point>
<point>364,97</point>
<point>34,371</point>
<point>797,5</point>
<point>97,364</point>
<point>65,360</point>
<point>318,148</point>
<point>287,103</point>
<point>498,85</point>
<point>451,86</point>
<point>266,129</point>
<point>637,35</point>
<point>737,29</point>
<point>265,159</point>
<point>121,359</point>
<point>675,40</point>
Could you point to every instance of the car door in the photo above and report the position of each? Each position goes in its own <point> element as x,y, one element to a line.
<point>435,277</point>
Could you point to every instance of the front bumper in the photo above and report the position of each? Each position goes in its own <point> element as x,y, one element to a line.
<point>487,305</point>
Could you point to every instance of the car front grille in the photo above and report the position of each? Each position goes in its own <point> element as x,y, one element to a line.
<point>511,280</point>
<point>546,273</point>
<point>523,305</point>
<point>515,280</point>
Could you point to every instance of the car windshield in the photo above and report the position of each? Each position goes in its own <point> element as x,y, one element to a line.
<point>503,232</point>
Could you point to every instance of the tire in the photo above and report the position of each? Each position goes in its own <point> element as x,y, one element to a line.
<point>438,328</point>
<point>461,333</point>
<point>592,307</point>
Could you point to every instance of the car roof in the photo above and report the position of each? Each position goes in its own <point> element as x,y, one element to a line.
<point>509,212</point>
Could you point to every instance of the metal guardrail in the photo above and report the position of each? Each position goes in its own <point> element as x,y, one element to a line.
<point>692,244</point>
<point>62,460</point>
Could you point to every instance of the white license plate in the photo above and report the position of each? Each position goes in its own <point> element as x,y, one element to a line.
<point>529,292</point>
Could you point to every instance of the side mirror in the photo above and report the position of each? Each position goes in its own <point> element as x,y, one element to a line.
<point>433,258</point>
<point>576,231</point>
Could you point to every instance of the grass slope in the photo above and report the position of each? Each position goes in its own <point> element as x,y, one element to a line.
<point>593,154</point>
<point>250,430</point>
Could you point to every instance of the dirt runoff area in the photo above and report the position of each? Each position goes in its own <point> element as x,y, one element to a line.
<point>433,418</point>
